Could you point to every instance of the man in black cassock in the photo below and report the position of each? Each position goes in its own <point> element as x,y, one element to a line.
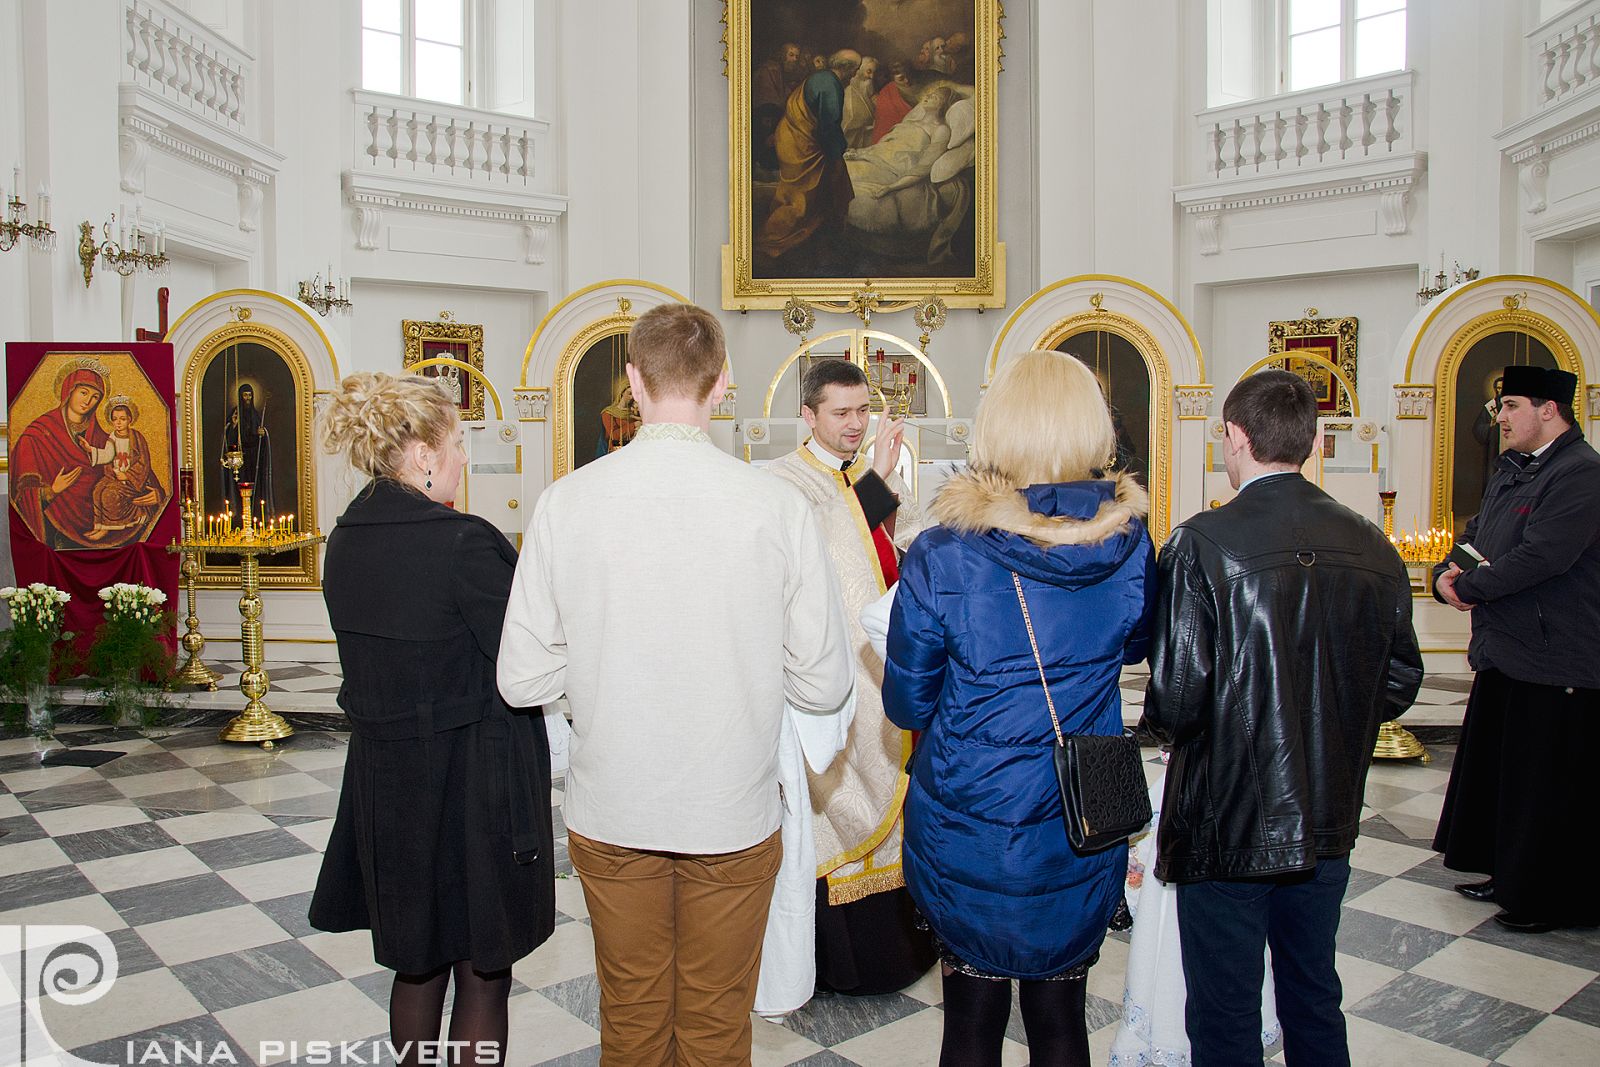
<point>247,433</point>
<point>1522,779</point>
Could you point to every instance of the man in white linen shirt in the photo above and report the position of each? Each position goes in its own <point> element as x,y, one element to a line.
<point>678,597</point>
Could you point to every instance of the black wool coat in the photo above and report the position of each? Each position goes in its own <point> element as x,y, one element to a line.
<point>1536,607</point>
<point>443,842</point>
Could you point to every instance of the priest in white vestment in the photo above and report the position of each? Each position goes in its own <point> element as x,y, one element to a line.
<point>868,941</point>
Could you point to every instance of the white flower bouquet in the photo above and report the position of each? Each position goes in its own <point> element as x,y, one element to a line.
<point>129,661</point>
<point>137,602</point>
<point>29,653</point>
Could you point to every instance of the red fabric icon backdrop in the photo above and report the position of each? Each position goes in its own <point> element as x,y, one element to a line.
<point>93,466</point>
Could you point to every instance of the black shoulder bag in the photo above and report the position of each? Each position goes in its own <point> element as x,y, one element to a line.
<point>1103,792</point>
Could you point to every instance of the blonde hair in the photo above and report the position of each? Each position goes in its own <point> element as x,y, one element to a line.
<point>374,417</point>
<point>1043,420</point>
<point>679,350</point>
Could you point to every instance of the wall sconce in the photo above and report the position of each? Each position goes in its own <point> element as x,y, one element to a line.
<point>323,297</point>
<point>131,248</point>
<point>14,225</point>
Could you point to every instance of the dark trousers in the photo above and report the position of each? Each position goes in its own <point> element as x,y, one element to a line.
<point>1521,782</point>
<point>1224,928</point>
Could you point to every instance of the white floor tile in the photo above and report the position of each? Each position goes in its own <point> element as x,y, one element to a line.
<point>1555,1042</point>
<point>349,953</point>
<point>1422,806</point>
<point>90,910</point>
<point>1372,1045</point>
<point>27,781</point>
<point>277,787</point>
<point>336,1012</point>
<point>142,868</point>
<point>37,855</point>
<point>1386,857</point>
<point>541,1031</point>
<point>211,933</point>
<point>314,834</point>
<point>133,1003</point>
<point>570,899</point>
<point>773,1045</point>
<point>1424,905</point>
<point>315,759</point>
<point>568,953</point>
<point>1505,973</point>
<point>1360,978</point>
<point>87,817</point>
<point>144,785</point>
<point>930,987</point>
<point>275,878</point>
<point>211,825</point>
<point>10,805</point>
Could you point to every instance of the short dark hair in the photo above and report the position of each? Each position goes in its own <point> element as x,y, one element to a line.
<point>1564,410</point>
<point>826,372</point>
<point>679,350</point>
<point>1278,413</point>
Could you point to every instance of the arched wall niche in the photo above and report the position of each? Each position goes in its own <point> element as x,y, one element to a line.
<point>569,332</point>
<point>298,622</point>
<point>1431,352</point>
<point>1179,395</point>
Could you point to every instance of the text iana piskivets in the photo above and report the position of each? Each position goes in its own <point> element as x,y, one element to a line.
<point>316,1053</point>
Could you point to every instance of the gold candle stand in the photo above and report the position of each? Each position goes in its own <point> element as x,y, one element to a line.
<point>194,671</point>
<point>257,723</point>
<point>1394,740</point>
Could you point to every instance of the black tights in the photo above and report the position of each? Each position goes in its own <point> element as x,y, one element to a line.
<point>477,1015</point>
<point>976,1011</point>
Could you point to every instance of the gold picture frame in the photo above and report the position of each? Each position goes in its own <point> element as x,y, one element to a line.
<point>938,235</point>
<point>1332,339</point>
<point>446,338</point>
<point>253,354</point>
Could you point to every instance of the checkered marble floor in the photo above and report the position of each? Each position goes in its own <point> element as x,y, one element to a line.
<point>197,858</point>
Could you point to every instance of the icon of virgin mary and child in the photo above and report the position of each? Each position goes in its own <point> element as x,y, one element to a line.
<point>76,484</point>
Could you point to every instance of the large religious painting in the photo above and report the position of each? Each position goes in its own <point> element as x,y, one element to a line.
<point>1125,380</point>
<point>862,151</point>
<point>447,339</point>
<point>247,424</point>
<point>90,442</point>
<point>1330,339</point>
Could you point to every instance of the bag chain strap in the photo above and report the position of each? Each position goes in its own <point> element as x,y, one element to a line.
<point>1028,622</point>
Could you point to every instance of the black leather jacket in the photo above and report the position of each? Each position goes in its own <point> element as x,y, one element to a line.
<point>1282,639</point>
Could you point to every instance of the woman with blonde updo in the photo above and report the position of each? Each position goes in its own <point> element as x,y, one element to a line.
<point>442,846</point>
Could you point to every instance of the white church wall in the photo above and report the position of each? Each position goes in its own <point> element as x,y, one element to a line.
<point>508,318</point>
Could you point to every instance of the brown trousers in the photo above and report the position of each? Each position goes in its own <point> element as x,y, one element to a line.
<point>677,946</point>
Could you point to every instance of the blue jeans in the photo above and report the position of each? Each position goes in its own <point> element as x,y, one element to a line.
<point>1224,926</point>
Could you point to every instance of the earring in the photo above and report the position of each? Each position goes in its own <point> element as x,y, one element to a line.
<point>429,483</point>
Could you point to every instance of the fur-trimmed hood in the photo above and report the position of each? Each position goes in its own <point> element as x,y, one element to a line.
<point>1069,533</point>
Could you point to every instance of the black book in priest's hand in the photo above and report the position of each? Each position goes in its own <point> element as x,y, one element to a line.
<point>1466,557</point>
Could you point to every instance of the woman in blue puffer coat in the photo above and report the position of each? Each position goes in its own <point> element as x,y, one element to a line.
<point>986,854</point>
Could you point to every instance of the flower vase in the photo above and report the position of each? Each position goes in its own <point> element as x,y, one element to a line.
<point>41,720</point>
